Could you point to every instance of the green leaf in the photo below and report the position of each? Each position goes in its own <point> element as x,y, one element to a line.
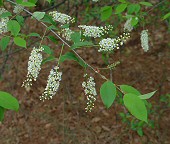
<point>108,93</point>
<point>134,21</point>
<point>5,14</point>
<point>166,16</point>
<point>75,37</point>
<point>33,1</point>
<point>20,42</point>
<point>2,111</point>
<point>19,1</point>
<point>140,132</point>
<point>1,2</point>
<point>122,1</point>
<point>146,4</point>
<point>53,39</point>
<point>71,56</point>
<point>129,89</point>
<point>133,8</point>
<point>120,8</point>
<point>47,49</point>
<point>106,12</point>
<point>65,26</point>
<point>38,15</point>
<point>50,58</point>
<point>14,27</point>
<point>20,20</point>
<point>48,19</point>
<point>135,106</point>
<point>4,42</point>
<point>81,44</point>
<point>147,96</point>
<point>28,4</point>
<point>7,101</point>
<point>34,35</point>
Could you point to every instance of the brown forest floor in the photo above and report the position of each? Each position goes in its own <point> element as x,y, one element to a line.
<point>63,120</point>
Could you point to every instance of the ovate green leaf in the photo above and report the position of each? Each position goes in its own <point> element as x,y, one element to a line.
<point>120,8</point>
<point>4,42</point>
<point>38,15</point>
<point>108,93</point>
<point>20,42</point>
<point>106,12</point>
<point>129,89</point>
<point>7,101</point>
<point>146,4</point>
<point>147,96</point>
<point>135,106</point>
<point>166,16</point>
<point>14,27</point>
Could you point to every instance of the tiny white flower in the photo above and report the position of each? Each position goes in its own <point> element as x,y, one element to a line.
<point>90,92</point>
<point>95,0</point>
<point>34,66</point>
<point>144,40</point>
<point>62,18</point>
<point>3,21</point>
<point>53,84</point>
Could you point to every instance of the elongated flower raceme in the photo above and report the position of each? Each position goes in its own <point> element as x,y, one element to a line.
<point>18,9</point>
<point>144,40</point>
<point>90,92</point>
<point>34,66</point>
<point>94,31</point>
<point>53,84</point>
<point>128,26</point>
<point>3,21</point>
<point>110,44</point>
<point>61,18</point>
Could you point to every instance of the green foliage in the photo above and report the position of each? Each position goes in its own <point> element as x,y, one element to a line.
<point>129,89</point>
<point>135,106</point>
<point>108,93</point>
<point>146,4</point>
<point>47,50</point>
<point>166,16</point>
<point>5,14</point>
<point>34,35</point>
<point>20,42</point>
<point>133,8</point>
<point>121,8</point>
<point>38,15</point>
<point>76,37</point>
<point>20,20</point>
<point>13,27</point>
<point>106,12</point>
<point>1,2</point>
<point>71,56</point>
<point>7,101</point>
<point>48,59</point>
<point>4,42</point>
<point>147,96</point>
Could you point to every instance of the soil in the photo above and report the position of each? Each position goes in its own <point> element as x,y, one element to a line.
<point>63,119</point>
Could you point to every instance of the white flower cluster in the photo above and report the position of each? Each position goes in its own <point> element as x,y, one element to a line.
<point>90,92</point>
<point>94,31</point>
<point>18,9</point>
<point>144,40</point>
<point>3,21</point>
<point>107,44</point>
<point>53,83</point>
<point>128,26</point>
<point>34,66</point>
<point>62,18</point>
<point>110,44</point>
<point>66,33</point>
